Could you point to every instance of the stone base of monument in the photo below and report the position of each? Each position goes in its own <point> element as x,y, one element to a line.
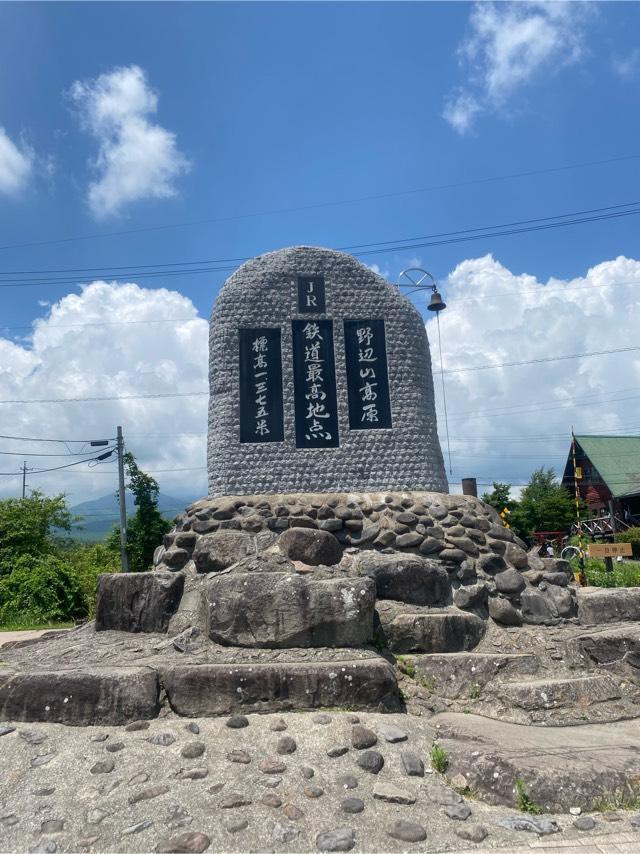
<point>275,603</point>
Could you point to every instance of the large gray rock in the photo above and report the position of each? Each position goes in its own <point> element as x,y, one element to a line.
<point>137,601</point>
<point>310,546</point>
<point>503,612</point>
<point>406,578</point>
<point>221,549</point>
<point>608,605</point>
<point>107,696</point>
<point>510,582</point>
<point>279,610</point>
<point>546,606</point>
<point>415,629</point>
<point>220,689</point>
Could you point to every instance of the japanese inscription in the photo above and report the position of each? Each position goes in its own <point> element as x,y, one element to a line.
<point>261,413</point>
<point>367,376</point>
<point>314,378</point>
<point>311,298</point>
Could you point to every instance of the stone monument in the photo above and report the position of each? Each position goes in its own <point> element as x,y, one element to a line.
<point>320,381</point>
<point>328,536</point>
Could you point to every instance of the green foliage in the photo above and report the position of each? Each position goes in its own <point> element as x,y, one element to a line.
<point>45,580</point>
<point>475,691</point>
<point>523,801</point>
<point>147,526</point>
<point>86,561</point>
<point>41,589</point>
<point>545,505</point>
<point>631,535</point>
<point>624,574</point>
<point>439,758</point>
<point>26,526</point>
<point>500,497</point>
<point>406,666</point>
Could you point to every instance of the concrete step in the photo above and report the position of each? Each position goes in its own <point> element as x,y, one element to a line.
<point>597,605</point>
<point>465,675</point>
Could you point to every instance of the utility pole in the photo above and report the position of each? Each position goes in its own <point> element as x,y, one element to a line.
<point>124,560</point>
<point>24,479</point>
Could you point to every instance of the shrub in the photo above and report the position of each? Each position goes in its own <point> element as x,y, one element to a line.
<point>40,590</point>
<point>632,535</point>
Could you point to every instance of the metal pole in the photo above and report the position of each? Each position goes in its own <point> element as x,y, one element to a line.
<point>444,395</point>
<point>124,560</point>
<point>24,479</point>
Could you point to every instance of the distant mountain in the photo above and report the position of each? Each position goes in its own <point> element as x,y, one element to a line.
<point>101,514</point>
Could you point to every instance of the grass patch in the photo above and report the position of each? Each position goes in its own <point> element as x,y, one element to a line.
<point>624,574</point>
<point>474,691</point>
<point>523,801</point>
<point>406,666</point>
<point>29,625</point>
<point>439,758</point>
<point>619,799</point>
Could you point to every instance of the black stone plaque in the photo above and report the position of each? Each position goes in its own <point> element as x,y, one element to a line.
<point>261,414</point>
<point>314,380</point>
<point>311,295</point>
<point>367,377</point>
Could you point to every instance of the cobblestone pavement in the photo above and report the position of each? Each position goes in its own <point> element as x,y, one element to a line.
<point>331,781</point>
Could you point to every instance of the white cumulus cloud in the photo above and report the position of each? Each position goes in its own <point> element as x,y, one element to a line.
<point>98,343</point>
<point>505,421</point>
<point>16,165</point>
<point>136,158</point>
<point>508,46</point>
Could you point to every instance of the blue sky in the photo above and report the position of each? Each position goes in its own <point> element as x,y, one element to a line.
<point>249,109</point>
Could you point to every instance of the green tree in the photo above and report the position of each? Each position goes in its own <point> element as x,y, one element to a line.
<point>27,527</point>
<point>500,497</point>
<point>147,526</point>
<point>545,505</point>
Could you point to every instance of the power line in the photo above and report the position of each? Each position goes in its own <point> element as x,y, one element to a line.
<point>57,468</point>
<point>379,196</point>
<point>541,360</point>
<point>410,243</point>
<point>32,454</point>
<point>59,441</point>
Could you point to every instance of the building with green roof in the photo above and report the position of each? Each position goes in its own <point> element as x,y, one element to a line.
<point>608,470</point>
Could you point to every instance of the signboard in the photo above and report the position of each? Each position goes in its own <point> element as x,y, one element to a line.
<point>367,377</point>
<point>311,295</point>
<point>610,550</point>
<point>314,382</point>
<point>261,414</point>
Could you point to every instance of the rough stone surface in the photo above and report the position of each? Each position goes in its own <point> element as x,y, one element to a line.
<point>221,549</point>
<point>406,578</point>
<point>410,629</point>
<point>217,689</point>
<point>309,546</point>
<point>80,697</point>
<point>137,601</point>
<point>277,610</point>
<point>263,292</point>
<point>608,605</point>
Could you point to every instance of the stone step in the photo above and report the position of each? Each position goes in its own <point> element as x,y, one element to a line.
<point>362,684</point>
<point>561,768</point>
<point>409,628</point>
<point>616,648</point>
<point>560,701</point>
<point>80,697</point>
<point>118,695</point>
<point>597,605</point>
<point>468,674</point>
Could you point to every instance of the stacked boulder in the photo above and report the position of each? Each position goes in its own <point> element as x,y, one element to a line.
<point>310,570</point>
